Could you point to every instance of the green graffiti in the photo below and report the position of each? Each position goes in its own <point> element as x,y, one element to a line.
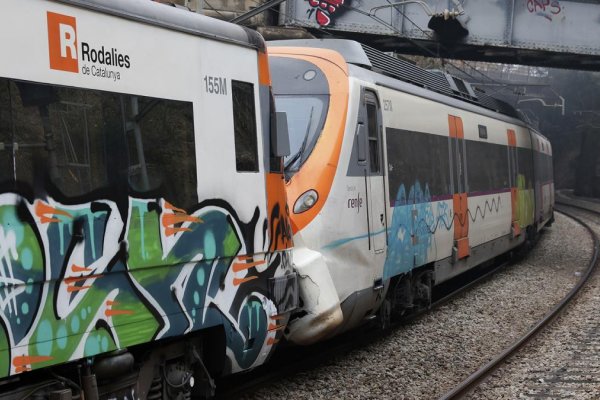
<point>525,202</point>
<point>144,241</point>
<point>83,295</point>
<point>4,354</point>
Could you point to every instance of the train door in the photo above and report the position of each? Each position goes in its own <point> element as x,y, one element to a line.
<point>513,165</point>
<point>376,187</point>
<point>461,248</point>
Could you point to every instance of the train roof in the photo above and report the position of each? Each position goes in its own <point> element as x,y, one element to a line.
<point>367,57</point>
<point>174,18</point>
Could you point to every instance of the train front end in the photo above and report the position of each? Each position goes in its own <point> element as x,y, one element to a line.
<point>311,87</point>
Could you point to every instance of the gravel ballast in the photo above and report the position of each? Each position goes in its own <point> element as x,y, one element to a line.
<point>564,360</point>
<point>430,355</point>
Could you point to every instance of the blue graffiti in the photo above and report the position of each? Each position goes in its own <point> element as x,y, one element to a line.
<point>410,235</point>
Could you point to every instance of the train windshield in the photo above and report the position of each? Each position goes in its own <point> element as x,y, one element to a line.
<point>305,122</point>
<point>300,90</point>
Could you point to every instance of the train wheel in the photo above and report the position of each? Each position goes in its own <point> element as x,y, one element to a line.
<point>385,314</point>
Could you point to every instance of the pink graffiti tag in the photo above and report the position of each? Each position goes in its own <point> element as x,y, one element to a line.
<point>324,9</point>
<point>544,8</point>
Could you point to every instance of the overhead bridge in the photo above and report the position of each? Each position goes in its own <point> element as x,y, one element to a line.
<point>551,33</point>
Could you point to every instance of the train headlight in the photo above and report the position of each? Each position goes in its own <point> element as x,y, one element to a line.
<point>306,201</point>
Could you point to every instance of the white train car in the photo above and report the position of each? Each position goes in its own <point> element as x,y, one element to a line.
<point>399,179</point>
<point>144,237</point>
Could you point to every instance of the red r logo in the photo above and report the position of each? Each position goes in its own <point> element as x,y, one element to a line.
<point>62,42</point>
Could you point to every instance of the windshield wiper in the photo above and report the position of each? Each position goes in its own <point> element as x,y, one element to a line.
<point>298,155</point>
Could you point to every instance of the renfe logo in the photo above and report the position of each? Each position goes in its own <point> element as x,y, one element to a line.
<point>62,42</point>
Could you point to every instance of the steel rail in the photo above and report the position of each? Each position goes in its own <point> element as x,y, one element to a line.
<point>324,351</point>
<point>491,270</point>
<point>474,379</point>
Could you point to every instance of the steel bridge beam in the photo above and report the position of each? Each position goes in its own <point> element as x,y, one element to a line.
<point>549,33</point>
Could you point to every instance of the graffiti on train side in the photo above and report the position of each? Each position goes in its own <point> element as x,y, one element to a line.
<point>525,202</point>
<point>416,219</point>
<point>79,280</point>
<point>410,235</point>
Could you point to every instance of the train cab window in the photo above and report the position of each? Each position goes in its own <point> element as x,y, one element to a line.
<point>244,124</point>
<point>71,142</point>
<point>483,132</point>
<point>301,90</point>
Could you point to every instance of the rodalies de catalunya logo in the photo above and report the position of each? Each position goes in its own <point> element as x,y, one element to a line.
<point>66,55</point>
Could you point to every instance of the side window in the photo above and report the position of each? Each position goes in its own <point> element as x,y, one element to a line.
<point>360,141</point>
<point>244,124</point>
<point>418,158</point>
<point>491,171</point>
<point>373,128</point>
<point>483,132</point>
<point>160,137</point>
<point>76,141</point>
<point>58,137</point>
<point>525,166</point>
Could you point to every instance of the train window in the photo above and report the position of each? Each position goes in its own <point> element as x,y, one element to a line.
<point>373,128</point>
<point>306,117</point>
<point>417,158</point>
<point>301,90</point>
<point>550,168</point>
<point>54,136</point>
<point>483,132</point>
<point>244,124</point>
<point>160,137</point>
<point>541,167</point>
<point>360,143</point>
<point>489,166</point>
<point>544,167</point>
<point>72,142</point>
<point>525,168</point>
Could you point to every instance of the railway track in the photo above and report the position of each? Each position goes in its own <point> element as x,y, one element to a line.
<point>585,350</point>
<point>293,371</point>
<point>294,360</point>
<point>291,361</point>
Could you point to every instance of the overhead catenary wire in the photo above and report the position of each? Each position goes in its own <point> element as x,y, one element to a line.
<point>502,86</point>
<point>264,6</point>
<point>416,44</point>
<point>258,10</point>
<point>215,10</point>
<point>428,34</point>
<point>300,23</point>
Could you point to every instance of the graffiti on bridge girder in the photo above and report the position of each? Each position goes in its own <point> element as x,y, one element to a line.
<point>544,8</point>
<point>324,10</point>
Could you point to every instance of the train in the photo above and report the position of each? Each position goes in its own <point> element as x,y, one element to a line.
<point>178,197</point>
<point>145,241</point>
<point>399,179</point>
